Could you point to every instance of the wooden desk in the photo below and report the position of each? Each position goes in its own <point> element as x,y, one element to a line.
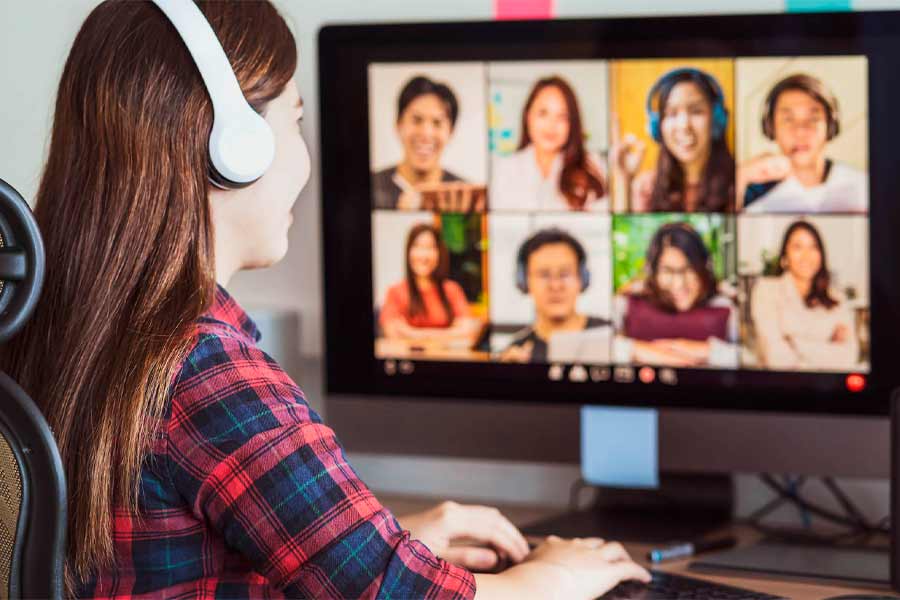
<point>426,350</point>
<point>796,590</point>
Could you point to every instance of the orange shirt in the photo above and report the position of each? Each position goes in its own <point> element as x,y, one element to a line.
<point>396,306</point>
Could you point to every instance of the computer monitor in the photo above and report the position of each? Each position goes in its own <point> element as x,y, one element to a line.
<point>669,212</point>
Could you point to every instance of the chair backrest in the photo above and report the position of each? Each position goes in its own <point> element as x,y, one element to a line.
<point>32,479</point>
<point>32,499</point>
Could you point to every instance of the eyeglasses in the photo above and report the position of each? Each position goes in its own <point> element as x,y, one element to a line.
<point>668,275</point>
<point>545,278</point>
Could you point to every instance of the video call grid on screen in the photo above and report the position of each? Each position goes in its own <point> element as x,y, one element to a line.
<point>499,235</point>
<point>707,217</point>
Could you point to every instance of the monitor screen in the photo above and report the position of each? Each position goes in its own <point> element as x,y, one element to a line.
<point>607,222</point>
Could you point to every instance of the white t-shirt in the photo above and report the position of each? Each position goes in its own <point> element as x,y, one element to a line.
<point>845,190</point>
<point>517,184</point>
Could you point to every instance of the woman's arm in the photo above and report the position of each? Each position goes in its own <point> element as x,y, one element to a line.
<point>772,347</point>
<point>259,468</point>
<point>841,352</point>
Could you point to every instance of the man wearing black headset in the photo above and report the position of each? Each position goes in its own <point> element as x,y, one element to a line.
<point>801,115</point>
<point>551,268</point>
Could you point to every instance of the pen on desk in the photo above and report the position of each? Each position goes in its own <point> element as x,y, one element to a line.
<point>690,549</point>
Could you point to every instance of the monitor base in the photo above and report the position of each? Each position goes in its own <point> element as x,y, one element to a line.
<point>685,507</point>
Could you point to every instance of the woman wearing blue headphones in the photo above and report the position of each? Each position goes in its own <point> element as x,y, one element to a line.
<point>195,466</point>
<point>695,170</point>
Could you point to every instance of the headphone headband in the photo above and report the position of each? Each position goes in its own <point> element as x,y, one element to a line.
<point>241,144</point>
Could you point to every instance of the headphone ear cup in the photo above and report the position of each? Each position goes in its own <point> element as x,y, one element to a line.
<point>834,127</point>
<point>653,126</point>
<point>521,278</point>
<point>720,121</point>
<point>585,277</point>
<point>767,127</point>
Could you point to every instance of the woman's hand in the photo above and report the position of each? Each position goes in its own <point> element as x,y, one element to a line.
<point>474,537</point>
<point>657,353</point>
<point>626,155</point>
<point>587,568</point>
<point>690,349</point>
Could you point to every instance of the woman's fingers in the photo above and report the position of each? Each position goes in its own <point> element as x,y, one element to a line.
<point>487,525</point>
<point>613,552</point>
<point>472,558</point>
<point>629,570</point>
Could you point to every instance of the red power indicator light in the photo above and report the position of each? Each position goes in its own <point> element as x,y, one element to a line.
<point>856,383</point>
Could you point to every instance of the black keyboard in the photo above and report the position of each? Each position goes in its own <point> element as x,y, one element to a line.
<point>666,586</point>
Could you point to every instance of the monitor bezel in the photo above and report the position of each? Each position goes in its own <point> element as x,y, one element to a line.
<point>345,51</point>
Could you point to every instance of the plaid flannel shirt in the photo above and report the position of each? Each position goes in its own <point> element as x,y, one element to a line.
<point>247,494</point>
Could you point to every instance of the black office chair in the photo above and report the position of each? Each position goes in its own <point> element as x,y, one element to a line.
<point>32,480</point>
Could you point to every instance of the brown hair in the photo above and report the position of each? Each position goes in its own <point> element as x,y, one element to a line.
<point>810,86</point>
<point>578,177</point>
<point>819,294</point>
<point>438,276</point>
<point>685,238</point>
<point>717,183</point>
<point>123,207</point>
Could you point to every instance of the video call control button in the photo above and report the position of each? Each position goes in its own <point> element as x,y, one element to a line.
<point>406,367</point>
<point>856,383</point>
<point>600,374</point>
<point>578,374</point>
<point>668,377</point>
<point>556,373</point>
<point>390,367</point>
<point>623,375</point>
<point>647,375</point>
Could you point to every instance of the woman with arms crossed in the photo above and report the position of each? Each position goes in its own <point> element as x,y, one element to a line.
<point>428,307</point>
<point>195,466</point>
<point>801,322</point>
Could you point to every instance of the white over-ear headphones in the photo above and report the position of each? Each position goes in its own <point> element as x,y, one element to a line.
<point>241,144</point>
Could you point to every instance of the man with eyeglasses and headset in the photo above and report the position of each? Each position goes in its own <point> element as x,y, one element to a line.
<point>551,267</point>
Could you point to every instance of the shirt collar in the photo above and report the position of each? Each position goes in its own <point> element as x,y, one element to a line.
<point>226,310</point>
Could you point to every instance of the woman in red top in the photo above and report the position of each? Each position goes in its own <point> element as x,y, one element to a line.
<point>195,466</point>
<point>427,306</point>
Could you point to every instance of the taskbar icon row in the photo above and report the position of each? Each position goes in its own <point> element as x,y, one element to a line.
<point>597,374</point>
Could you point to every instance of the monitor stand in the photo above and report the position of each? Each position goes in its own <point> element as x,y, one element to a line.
<point>684,507</point>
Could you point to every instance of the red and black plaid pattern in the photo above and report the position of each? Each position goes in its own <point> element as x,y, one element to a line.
<point>249,495</point>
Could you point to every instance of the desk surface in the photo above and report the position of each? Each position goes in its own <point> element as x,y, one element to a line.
<point>796,590</point>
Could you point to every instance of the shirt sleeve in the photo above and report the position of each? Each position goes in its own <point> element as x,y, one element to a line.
<point>773,350</point>
<point>257,464</point>
<point>457,299</point>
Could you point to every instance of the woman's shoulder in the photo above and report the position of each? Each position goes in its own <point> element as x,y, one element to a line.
<point>398,291</point>
<point>226,367</point>
<point>453,289</point>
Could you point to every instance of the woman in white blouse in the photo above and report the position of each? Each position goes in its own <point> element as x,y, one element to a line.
<point>552,170</point>
<point>801,322</point>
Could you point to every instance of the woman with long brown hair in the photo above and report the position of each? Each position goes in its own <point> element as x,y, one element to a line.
<point>695,169</point>
<point>552,170</point>
<point>195,466</point>
<point>428,307</point>
<point>801,322</point>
